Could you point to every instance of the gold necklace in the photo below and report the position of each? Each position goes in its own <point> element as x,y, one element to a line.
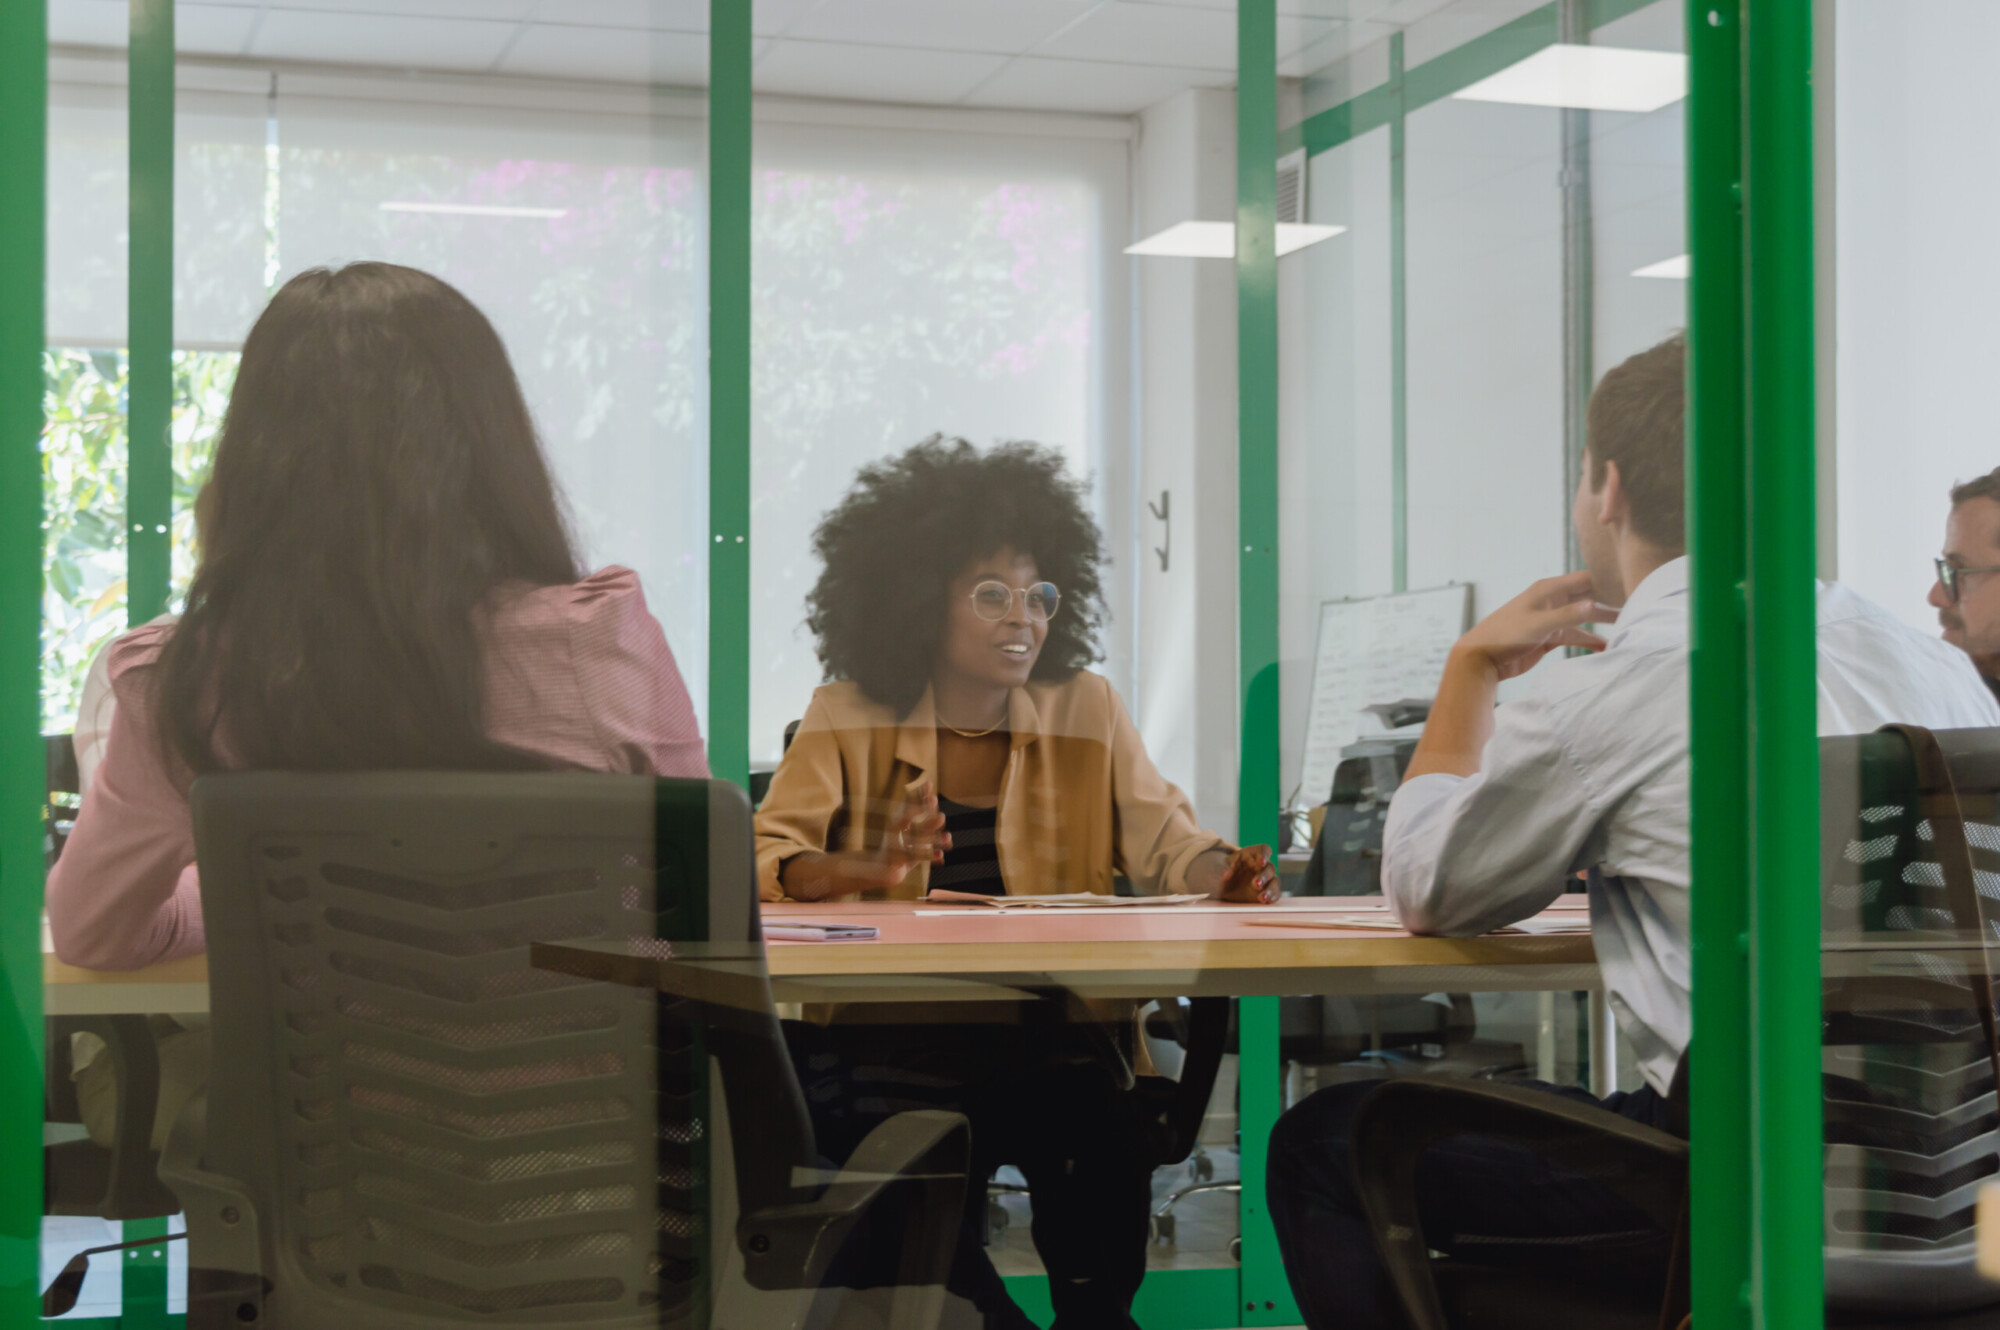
<point>972,734</point>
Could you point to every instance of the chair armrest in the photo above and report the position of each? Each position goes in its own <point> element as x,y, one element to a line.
<point>1182,1110</point>
<point>1401,1119</point>
<point>225,1251</point>
<point>791,1246</point>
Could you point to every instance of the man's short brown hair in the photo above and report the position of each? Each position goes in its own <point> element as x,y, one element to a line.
<point>1637,418</point>
<point>1979,487</point>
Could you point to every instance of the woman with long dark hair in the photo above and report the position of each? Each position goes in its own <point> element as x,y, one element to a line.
<point>386,580</point>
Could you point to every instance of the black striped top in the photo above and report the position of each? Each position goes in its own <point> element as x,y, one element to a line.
<point>973,861</point>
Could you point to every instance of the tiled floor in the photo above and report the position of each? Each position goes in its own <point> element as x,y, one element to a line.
<point>1203,1224</point>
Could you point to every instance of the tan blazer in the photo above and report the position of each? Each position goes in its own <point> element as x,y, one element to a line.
<point>1079,801</point>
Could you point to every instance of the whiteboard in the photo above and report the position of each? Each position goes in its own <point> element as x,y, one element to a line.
<point>1381,649</point>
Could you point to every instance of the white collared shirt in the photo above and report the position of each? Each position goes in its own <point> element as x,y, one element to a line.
<point>1589,772</point>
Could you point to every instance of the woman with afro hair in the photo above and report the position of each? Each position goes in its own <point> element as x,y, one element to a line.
<point>962,746</point>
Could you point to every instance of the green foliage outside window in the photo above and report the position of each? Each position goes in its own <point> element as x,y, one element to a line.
<point>84,502</point>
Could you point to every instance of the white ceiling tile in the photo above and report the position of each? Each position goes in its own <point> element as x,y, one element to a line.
<point>1135,34</point>
<point>89,22</point>
<point>502,11</point>
<point>1435,28</point>
<point>198,29</point>
<point>616,55</point>
<point>1404,12</point>
<point>213,29</point>
<point>871,73</point>
<point>943,25</point>
<point>1349,9</point>
<point>1339,43</point>
<point>767,17</point>
<point>1295,34</point>
<point>389,41</point>
<point>661,15</point>
<point>1083,85</point>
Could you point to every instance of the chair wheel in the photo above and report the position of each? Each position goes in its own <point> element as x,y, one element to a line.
<point>1160,1228</point>
<point>1236,1250</point>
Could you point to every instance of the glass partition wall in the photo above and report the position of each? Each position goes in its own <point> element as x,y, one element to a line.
<point>1281,461</point>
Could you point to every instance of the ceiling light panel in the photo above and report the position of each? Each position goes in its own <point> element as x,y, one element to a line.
<point>1588,78</point>
<point>1217,240</point>
<point>1675,267</point>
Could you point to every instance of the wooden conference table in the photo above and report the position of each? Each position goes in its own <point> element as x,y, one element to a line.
<point>935,953</point>
<point>931,953</point>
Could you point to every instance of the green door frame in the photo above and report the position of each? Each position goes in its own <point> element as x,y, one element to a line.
<point>1787,1171</point>
<point>1718,675</point>
<point>24,100</point>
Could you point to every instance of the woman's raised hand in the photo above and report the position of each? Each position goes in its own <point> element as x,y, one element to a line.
<point>915,835</point>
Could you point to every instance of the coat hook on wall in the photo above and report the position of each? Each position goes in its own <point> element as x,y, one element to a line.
<point>1162,511</point>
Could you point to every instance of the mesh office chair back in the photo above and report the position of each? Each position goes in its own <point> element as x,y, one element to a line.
<point>427,1130</point>
<point>1911,1123</point>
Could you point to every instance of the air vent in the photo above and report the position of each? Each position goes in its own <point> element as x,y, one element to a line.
<point>1292,187</point>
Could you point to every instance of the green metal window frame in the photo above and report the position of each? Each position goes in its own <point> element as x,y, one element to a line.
<point>1264,1295</point>
<point>729,136</point>
<point>1751,375</point>
<point>149,334</point>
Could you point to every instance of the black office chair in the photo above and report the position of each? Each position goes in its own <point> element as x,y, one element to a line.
<point>80,1177</point>
<point>1391,1033</point>
<point>409,1125</point>
<point>1909,821</point>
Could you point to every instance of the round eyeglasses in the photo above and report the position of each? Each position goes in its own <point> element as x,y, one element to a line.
<point>1948,576</point>
<point>992,600</point>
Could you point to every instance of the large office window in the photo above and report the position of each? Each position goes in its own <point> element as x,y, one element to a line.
<point>912,283</point>
<point>219,275</point>
<point>579,229</point>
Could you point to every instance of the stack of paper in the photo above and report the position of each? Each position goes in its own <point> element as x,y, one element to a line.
<point>1069,900</point>
<point>782,930</point>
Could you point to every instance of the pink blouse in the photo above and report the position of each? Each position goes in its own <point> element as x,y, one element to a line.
<point>580,674</point>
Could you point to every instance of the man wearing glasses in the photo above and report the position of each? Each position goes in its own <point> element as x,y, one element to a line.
<point>1966,594</point>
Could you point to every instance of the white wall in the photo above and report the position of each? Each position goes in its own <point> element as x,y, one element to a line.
<point>1184,659</point>
<point>1334,513</point>
<point>1915,199</point>
<point>1638,198</point>
<point>1487,500</point>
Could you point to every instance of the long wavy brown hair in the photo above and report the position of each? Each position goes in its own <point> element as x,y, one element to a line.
<point>377,480</point>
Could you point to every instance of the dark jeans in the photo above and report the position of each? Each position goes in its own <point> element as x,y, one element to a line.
<point>1468,1188</point>
<point>1054,1112</point>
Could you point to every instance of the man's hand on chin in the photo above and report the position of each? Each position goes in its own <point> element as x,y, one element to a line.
<point>1513,639</point>
<point>1504,645</point>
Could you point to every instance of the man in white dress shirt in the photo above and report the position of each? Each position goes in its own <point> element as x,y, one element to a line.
<point>1587,773</point>
<point>1966,594</point>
